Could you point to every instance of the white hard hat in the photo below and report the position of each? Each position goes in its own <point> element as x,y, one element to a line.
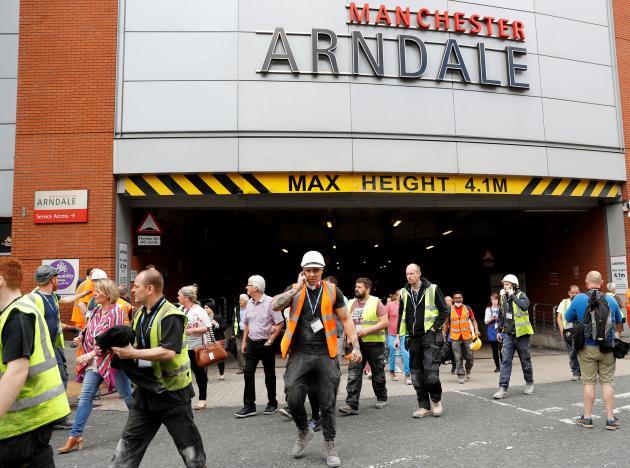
<point>511,279</point>
<point>313,258</point>
<point>98,274</point>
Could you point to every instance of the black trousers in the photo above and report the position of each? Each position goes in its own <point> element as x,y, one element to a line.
<point>141,429</point>
<point>200,376</point>
<point>373,354</point>
<point>306,373</point>
<point>28,450</point>
<point>496,353</point>
<point>424,357</point>
<point>255,352</point>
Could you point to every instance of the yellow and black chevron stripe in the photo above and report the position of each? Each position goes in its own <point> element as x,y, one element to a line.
<point>284,183</point>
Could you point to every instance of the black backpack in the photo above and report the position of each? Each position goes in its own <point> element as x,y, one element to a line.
<point>596,323</point>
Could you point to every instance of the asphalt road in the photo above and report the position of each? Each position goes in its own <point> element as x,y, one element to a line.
<point>474,431</point>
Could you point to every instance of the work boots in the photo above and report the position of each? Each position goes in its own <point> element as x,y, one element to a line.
<point>303,438</point>
<point>332,459</point>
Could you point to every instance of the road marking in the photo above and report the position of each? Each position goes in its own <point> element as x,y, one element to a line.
<point>500,403</point>
<point>553,409</point>
<point>396,461</point>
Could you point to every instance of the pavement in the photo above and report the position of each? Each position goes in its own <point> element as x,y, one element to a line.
<point>475,431</point>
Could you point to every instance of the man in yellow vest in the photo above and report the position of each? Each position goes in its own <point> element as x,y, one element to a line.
<point>32,395</point>
<point>162,374</point>
<point>564,325</point>
<point>421,315</point>
<point>463,328</point>
<point>370,320</point>
<point>514,332</point>
<point>310,341</point>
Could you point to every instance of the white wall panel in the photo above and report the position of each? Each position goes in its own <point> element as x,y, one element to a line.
<point>9,16</point>
<point>181,15</point>
<point>6,194</point>
<point>586,164</point>
<point>292,15</point>
<point>590,11</point>
<point>293,106</point>
<point>175,106</point>
<point>380,155</point>
<point>8,55</point>
<point>573,40</point>
<point>481,158</point>
<point>8,97</point>
<point>7,146</point>
<point>575,122</point>
<point>178,56</point>
<point>489,115</point>
<point>577,81</point>
<point>295,154</point>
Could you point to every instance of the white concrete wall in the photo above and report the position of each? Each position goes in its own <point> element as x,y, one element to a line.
<point>9,23</point>
<point>191,97</point>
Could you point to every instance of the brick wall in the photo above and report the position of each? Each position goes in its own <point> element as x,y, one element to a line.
<point>65,126</point>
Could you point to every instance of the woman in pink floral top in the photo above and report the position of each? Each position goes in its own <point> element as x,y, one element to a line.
<point>94,367</point>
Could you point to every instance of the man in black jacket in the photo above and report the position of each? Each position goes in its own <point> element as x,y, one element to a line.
<point>421,314</point>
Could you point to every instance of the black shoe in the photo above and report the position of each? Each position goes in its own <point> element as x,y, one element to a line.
<point>286,412</point>
<point>497,370</point>
<point>63,425</point>
<point>245,412</point>
<point>270,409</point>
<point>453,370</point>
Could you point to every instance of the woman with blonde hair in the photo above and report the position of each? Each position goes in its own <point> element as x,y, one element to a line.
<point>93,366</point>
<point>198,324</point>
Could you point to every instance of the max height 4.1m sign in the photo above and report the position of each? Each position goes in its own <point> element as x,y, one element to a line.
<point>61,206</point>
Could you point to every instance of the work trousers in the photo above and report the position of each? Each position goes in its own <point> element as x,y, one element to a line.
<point>30,450</point>
<point>373,354</point>
<point>496,353</point>
<point>312,372</point>
<point>521,345</point>
<point>425,354</point>
<point>141,429</point>
<point>461,352</point>
<point>200,376</point>
<point>574,363</point>
<point>257,351</point>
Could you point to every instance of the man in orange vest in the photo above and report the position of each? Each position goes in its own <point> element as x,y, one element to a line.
<point>311,342</point>
<point>463,328</point>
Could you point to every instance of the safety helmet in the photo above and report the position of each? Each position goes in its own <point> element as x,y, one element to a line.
<point>314,259</point>
<point>476,344</point>
<point>98,274</point>
<point>511,278</point>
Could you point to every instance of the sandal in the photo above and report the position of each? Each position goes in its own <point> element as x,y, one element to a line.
<point>201,405</point>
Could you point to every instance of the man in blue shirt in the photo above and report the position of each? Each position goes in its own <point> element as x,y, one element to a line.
<point>593,362</point>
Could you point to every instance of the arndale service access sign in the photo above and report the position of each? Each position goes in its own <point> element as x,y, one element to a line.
<point>61,206</point>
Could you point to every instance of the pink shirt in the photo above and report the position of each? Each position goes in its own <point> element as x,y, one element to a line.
<point>392,312</point>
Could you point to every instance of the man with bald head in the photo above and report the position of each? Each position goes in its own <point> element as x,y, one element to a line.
<point>421,314</point>
<point>164,384</point>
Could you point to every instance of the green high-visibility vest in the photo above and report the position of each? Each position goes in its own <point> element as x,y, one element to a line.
<point>39,301</point>
<point>562,308</point>
<point>370,318</point>
<point>521,317</point>
<point>430,310</point>
<point>42,400</point>
<point>173,374</point>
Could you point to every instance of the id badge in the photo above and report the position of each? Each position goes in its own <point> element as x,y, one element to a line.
<point>143,364</point>
<point>358,327</point>
<point>317,326</point>
<point>509,316</point>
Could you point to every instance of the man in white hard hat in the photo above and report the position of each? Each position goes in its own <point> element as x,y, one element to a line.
<point>311,343</point>
<point>514,331</point>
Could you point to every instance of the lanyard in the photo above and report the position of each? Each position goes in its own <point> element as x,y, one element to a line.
<point>142,337</point>
<point>414,302</point>
<point>52,305</point>
<point>308,297</point>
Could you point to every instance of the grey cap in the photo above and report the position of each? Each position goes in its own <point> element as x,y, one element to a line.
<point>44,274</point>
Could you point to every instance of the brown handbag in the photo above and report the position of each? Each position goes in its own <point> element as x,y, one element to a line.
<point>211,352</point>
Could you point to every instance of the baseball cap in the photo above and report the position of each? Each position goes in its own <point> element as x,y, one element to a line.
<point>98,274</point>
<point>45,273</point>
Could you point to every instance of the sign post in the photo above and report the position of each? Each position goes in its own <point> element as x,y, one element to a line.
<point>619,272</point>
<point>123,263</point>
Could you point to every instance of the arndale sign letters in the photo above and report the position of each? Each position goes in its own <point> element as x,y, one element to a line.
<point>281,59</point>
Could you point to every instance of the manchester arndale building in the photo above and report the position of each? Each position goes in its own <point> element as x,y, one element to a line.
<point>298,124</point>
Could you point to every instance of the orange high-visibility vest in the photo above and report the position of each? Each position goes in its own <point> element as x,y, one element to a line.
<point>460,326</point>
<point>329,297</point>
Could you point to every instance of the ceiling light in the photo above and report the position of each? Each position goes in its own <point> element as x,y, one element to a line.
<point>334,246</point>
<point>446,233</point>
<point>329,224</point>
<point>430,247</point>
<point>376,246</point>
<point>389,261</point>
<point>285,250</point>
<point>397,222</point>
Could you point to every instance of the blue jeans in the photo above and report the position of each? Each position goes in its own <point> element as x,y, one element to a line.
<point>392,354</point>
<point>521,345</point>
<point>91,381</point>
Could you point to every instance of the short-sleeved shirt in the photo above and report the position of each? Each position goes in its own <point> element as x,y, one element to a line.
<point>260,317</point>
<point>305,340</point>
<point>197,317</point>
<point>51,314</point>
<point>356,312</point>
<point>172,339</point>
<point>578,308</point>
<point>18,336</point>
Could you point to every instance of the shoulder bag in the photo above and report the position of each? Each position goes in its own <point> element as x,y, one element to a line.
<point>211,351</point>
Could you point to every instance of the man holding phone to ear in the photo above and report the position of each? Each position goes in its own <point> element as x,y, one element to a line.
<point>311,342</point>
